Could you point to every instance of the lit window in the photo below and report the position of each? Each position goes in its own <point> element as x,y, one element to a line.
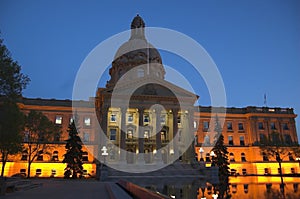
<point>58,119</point>
<point>140,72</point>
<point>195,124</point>
<point>241,126</point>
<point>146,134</point>
<point>129,134</point>
<point>229,126</point>
<point>71,120</point>
<point>55,156</point>
<point>273,126</point>
<point>230,140</point>
<point>130,118</point>
<point>261,126</point>
<point>86,137</point>
<point>242,141</point>
<point>205,125</point>
<point>38,172</point>
<point>163,135</point>
<point>87,121</point>
<point>113,134</point>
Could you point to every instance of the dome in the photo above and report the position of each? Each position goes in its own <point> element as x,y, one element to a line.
<point>135,54</point>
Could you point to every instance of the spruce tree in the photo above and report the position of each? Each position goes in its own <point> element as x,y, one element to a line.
<point>221,160</point>
<point>73,156</point>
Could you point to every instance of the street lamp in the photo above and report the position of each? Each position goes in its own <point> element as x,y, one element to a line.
<point>201,151</point>
<point>212,155</point>
<point>298,159</point>
<point>104,153</point>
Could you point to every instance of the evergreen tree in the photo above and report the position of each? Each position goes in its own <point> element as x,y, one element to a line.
<point>73,156</point>
<point>221,160</point>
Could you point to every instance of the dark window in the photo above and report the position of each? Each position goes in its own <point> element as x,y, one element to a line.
<point>273,126</point>
<point>291,158</point>
<point>163,135</point>
<point>113,118</point>
<point>262,138</point>
<point>163,119</point>
<point>23,171</point>
<point>244,171</point>
<point>242,141</point>
<point>229,126</point>
<point>230,140</point>
<point>245,188</point>
<point>231,157</point>
<point>38,172</point>
<point>265,157</point>
<point>57,137</point>
<point>129,134</point>
<point>205,126</point>
<point>243,157</point>
<point>232,172</point>
<point>241,126</point>
<point>24,155</point>
<point>267,171</point>
<point>40,156</point>
<point>85,156</point>
<point>268,187</point>
<point>130,118</point>
<point>207,157</point>
<point>146,119</point>
<point>261,126</point>
<point>287,139</point>
<point>234,188</point>
<point>113,134</point>
<point>275,138</point>
<point>278,169</point>
<point>86,136</point>
<point>285,126</point>
<point>295,186</point>
<point>293,171</point>
<point>206,140</point>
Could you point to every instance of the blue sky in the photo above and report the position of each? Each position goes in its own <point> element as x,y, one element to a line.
<point>255,44</point>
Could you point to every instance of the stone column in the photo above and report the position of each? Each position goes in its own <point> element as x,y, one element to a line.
<point>141,135</point>
<point>175,131</point>
<point>158,157</point>
<point>123,134</point>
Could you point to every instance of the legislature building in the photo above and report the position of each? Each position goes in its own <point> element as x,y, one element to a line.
<point>141,131</point>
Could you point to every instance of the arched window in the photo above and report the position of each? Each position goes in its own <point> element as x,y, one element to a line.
<point>55,156</point>
<point>243,157</point>
<point>40,156</point>
<point>231,157</point>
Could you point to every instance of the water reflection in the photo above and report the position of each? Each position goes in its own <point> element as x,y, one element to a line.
<point>238,190</point>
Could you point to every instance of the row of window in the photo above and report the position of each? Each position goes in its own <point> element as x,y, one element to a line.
<point>267,171</point>
<point>38,172</point>
<point>146,118</point>
<point>54,157</point>
<point>266,157</point>
<point>206,126</point>
<point>129,134</point>
<point>261,126</point>
<point>229,126</point>
<point>59,120</point>
<point>230,140</point>
<point>275,137</point>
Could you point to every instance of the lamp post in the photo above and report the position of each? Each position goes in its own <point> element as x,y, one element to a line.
<point>298,160</point>
<point>201,151</point>
<point>212,155</point>
<point>104,153</point>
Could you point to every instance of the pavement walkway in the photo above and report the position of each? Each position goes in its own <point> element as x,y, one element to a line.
<point>70,189</point>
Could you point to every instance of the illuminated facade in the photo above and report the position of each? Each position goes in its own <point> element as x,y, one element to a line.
<point>243,128</point>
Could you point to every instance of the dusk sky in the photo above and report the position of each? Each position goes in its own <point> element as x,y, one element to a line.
<point>255,44</point>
